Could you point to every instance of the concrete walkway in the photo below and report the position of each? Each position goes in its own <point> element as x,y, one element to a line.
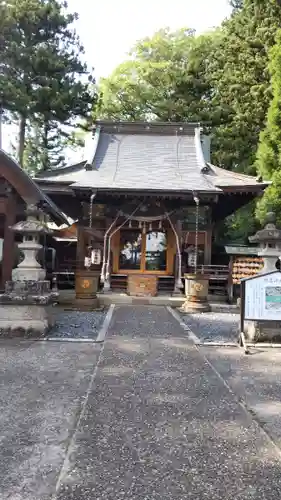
<point>144,416</point>
<point>160,424</point>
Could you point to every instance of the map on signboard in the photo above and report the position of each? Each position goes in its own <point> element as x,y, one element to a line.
<point>263,297</point>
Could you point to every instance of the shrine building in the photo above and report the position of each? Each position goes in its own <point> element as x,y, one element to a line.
<point>146,202</point>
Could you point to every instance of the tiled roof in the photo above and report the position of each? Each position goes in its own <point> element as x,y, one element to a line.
<point>157,157</point>
<point>148,156</point>
<point>221,177</point>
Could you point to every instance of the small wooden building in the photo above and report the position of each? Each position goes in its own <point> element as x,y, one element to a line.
<point>147,199</point>
<point>17,190</point>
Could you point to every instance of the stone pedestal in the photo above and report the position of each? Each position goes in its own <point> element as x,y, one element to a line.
<point>196,291</point>
<point>86,288</point>
<point>26,309</point>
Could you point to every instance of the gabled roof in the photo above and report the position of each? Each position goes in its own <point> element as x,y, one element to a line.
<point>28,190</point>
<point>142,156</point>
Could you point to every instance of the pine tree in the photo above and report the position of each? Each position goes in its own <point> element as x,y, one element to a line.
<point>43,80</point>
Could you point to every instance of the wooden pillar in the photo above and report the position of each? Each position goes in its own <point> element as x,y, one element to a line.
<point>80,249</point>
<point>9,239</point>
<point>178,228</point>
<point>208,247</point>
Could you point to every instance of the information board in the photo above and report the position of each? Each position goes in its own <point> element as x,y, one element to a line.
<point>262,297</point>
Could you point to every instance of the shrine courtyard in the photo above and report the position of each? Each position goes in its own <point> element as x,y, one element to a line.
<point>144,414</point>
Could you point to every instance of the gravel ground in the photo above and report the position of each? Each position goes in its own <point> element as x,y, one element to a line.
<point>78,324</point>
<point>213,327</point>
<point>159,424</point>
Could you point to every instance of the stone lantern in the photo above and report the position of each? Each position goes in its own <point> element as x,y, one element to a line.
<point>269,242</point>
<point>31,229</point>
<point>25,304</point>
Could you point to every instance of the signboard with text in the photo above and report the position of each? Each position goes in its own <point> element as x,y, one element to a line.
<point>261,297</point>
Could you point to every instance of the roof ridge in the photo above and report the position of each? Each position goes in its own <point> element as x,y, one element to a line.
<point>200,157</point>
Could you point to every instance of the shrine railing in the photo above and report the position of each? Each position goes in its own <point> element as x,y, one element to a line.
<point>215,272</point>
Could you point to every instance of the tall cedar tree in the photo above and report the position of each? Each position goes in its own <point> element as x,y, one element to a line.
<point>269,152</point>
<point>42,78</point>
<point>239,76</point>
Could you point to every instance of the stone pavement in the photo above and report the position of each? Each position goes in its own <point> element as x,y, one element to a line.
<point>43,386</point>
<point>144,417</point>
<point>255,379</point>
<point>160,424</point>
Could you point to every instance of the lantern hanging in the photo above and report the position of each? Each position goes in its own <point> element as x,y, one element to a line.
<point>160,224</point>
<point>130,224</point>
<point>140,225</point>
<point>150,227</point>
<point>144,228</point>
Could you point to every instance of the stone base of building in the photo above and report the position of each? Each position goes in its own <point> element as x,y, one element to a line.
<point>142,285</point>
<point>262,331</point>
<point>26,309</point>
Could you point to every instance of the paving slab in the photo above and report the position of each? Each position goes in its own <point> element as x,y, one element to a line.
<point>160,424</point>
<point>43,386</point>
<point>218,327</point>
<point>256,379</point>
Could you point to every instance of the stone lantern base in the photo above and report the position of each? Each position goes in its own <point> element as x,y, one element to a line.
<point>196,291</point>
<point>26,309</point>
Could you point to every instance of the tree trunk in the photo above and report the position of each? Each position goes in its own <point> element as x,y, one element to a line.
<point>45,156</point>
<point>22,130</point>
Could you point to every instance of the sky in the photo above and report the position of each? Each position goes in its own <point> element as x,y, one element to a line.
<point>109,28</point>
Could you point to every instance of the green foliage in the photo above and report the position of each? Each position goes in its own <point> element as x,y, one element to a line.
<point>271,200</point>
<point>164,80</point>
<point>239,75</point>
<point>238,226</point>
<point>43,80</point>
<point>269,152</point>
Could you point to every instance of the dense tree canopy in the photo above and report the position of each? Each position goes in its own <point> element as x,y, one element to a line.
<point>240,78</point>
<point>165,79</point>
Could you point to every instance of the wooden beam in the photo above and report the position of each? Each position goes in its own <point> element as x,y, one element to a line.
<point>9,240</point>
